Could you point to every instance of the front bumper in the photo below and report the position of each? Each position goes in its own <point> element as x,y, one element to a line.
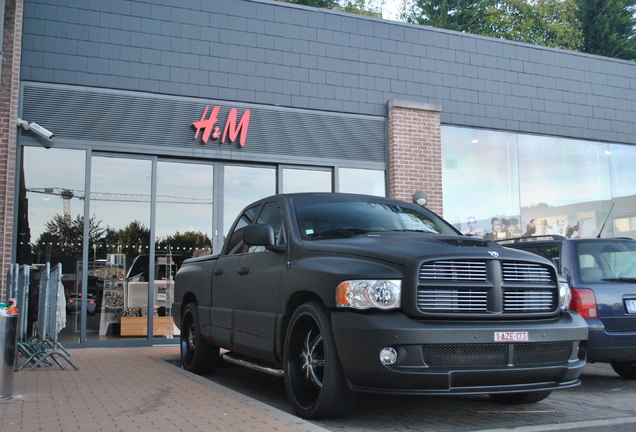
<point>458,357</point>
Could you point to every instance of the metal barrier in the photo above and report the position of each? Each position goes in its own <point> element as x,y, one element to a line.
<point>44,347</point>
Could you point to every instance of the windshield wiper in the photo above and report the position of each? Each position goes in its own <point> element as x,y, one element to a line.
<point>341,232</point>
<point>620,279</point>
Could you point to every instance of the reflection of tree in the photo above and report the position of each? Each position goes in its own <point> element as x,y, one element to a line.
<point>188,241</point>
<point>133,238</point>
<point>64,236</point>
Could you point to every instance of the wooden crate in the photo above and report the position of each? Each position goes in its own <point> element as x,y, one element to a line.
<point>137,326</point>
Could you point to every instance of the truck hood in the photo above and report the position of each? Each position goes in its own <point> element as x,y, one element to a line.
<point>402,247</point>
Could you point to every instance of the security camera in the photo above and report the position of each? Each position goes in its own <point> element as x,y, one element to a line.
<point>40,130</point>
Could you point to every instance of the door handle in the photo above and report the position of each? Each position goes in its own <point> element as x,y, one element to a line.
<point>217,272</point>
<point>243,271</point>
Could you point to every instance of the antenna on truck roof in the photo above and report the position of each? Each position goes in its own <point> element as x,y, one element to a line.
<point>606,218</point>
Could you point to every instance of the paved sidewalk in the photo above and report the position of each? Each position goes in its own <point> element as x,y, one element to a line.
<point>133,389</point>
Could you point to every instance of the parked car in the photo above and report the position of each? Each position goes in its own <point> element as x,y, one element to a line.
<point>342,293</point>
<point>601,273</point>
<point>74,303</point>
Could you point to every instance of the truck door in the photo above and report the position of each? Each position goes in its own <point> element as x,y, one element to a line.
<point>251,285</point>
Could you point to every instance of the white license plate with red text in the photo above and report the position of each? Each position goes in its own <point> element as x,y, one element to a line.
<point>511,336</point>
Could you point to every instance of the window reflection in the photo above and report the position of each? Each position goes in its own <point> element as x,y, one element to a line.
<point>242,186</point>
<point>184,208</point>
<point>498,184</point>
<point>306,180</point>
<point>51,224</point>
<point>120,205</point>
<point>363,181</point>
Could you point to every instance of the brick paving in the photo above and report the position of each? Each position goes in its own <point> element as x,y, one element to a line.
<point>132,389</point>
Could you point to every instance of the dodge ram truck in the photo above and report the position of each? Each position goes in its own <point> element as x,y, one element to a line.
<point>343,293</point>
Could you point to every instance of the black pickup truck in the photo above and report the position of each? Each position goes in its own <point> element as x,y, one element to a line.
<point>343,293</point>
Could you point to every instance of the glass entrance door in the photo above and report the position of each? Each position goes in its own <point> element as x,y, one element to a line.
<point>120,209</point>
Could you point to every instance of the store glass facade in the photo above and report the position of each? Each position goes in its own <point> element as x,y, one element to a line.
<point>498,183</point>
<point>145,214</point>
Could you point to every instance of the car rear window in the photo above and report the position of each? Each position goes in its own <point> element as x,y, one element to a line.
<point>610,260</point>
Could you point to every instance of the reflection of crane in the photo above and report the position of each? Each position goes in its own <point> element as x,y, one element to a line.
<point>67,194</point>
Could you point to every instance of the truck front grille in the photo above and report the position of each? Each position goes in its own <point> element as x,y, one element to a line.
<point>486,287</point>
<point>496,355</point>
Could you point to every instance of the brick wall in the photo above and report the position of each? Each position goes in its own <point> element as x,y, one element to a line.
<point>415,152</point>
<point>9,94</point>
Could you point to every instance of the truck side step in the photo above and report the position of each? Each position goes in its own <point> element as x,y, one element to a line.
<point>242,362</point>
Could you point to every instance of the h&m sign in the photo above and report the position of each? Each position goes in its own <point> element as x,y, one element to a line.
<point>232,130</point>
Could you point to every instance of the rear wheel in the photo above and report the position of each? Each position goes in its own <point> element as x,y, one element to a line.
<point>626,369</point>
<point>314,379</point>
<point>197,355</point>
<point>520,398</point>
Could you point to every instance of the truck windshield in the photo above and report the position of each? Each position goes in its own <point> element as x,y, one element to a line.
<point>349,218</point>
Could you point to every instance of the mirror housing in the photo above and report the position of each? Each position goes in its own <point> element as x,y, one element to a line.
<point>259,235</point>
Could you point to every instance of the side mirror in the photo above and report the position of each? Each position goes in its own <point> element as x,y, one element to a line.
<point>259,235</point>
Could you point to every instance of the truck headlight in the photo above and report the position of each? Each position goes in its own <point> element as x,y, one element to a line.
<point>565,295</point>
<point>365,294</point>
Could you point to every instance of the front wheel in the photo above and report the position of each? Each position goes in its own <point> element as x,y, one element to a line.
<point>520,398</point>
<point>626,369</point>
<point>314,379</point>
<point>197,355</point>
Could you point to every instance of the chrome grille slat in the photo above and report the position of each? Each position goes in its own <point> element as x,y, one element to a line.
<point>454,300</point>
<point>527,301</point>
<point>454,270</point>
<point>456,286</point>
<point>525,272</point>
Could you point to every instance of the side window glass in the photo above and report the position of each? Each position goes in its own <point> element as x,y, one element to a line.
<point>235,244</point>
<point>270,215</point>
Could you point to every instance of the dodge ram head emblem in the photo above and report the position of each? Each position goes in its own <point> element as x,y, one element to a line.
<point>493,254</point>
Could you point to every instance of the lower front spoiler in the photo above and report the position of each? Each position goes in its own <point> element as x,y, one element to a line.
<point>478,382</point>
<point>446,357</point>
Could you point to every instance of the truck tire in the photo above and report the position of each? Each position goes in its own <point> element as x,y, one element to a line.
<point>626,369</point>
<point>314,380</point>
<point>197,355</point>
<point>520,398</point>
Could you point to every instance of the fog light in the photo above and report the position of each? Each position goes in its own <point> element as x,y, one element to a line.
<point>388,356</point>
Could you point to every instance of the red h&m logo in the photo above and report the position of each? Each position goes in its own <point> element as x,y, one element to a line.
<point>231,130</point>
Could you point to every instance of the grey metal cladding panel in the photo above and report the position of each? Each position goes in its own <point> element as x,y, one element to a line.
<point>129,119</point>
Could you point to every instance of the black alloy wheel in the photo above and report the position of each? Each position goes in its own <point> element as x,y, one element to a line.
<point>197,355</point>
<point>314,379</point>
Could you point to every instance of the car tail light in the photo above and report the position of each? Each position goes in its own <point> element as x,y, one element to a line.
<point>91,301</point>
<point>584,303</point>
<point>71,300</point>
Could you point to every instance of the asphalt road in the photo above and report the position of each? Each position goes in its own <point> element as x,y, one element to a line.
<point>603,403</point>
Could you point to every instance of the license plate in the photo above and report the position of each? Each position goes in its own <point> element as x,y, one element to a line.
<point>631,306</point>
<point>517,336</point>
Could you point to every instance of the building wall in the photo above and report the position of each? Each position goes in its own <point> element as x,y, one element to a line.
<point>415,152</point>
<point>273,53</point>
<point>9,97</point>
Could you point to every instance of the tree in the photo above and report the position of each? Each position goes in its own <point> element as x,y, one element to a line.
<point>133,239</point>
<point>64,236</point>
<point>327,4</point>
<point>542,22</point>
<point>608,27</point>
<point>189,241</point>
